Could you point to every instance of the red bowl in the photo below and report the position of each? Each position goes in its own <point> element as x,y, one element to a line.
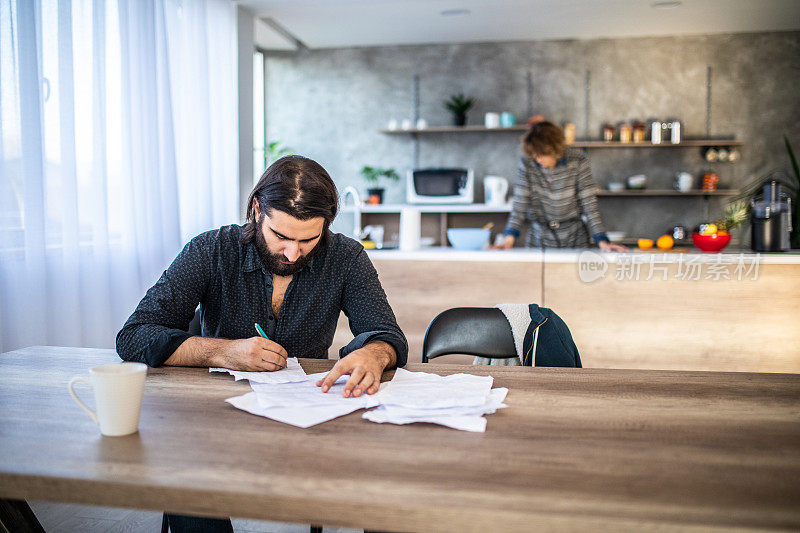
<point>711,243</point>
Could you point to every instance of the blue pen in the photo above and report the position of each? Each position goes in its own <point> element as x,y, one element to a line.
<point>261,331</point>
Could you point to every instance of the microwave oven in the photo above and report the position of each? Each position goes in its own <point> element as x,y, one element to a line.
<point>440,186</point>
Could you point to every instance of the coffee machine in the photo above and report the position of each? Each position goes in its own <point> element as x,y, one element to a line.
<point>771,219</point>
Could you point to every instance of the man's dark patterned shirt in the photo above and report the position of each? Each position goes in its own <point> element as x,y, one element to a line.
<point>234,290</point>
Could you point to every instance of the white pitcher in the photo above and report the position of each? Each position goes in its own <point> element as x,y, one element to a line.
<point>495,190</point>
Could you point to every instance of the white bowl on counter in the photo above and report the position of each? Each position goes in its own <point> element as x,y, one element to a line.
<point>615,236</point>
<point>468,238</point>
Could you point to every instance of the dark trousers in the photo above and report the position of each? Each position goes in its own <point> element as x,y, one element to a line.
<point>190,524</point>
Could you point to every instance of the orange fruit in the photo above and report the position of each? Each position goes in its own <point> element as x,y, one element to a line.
<point>645,244</point>
<point>721,233</point>
<point>665,242</point>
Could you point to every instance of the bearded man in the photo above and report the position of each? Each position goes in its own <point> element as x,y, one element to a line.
<point>283,270</point>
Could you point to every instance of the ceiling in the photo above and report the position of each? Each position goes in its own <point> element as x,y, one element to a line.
<point>349,23</point>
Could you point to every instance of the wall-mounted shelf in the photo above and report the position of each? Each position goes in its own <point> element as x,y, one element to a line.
<point>430,208</point>
<point>686,143</point>
<point>577,144</point>
<point>667,192</point>
<point>457,129</point>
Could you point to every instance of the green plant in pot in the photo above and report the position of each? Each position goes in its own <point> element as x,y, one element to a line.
<point>458,104</point>
<point>373,175</point>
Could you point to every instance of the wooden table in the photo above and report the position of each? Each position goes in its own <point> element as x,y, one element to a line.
<point>575,449</point>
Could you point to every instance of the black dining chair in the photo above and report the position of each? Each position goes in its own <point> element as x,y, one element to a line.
<point>480,331</point>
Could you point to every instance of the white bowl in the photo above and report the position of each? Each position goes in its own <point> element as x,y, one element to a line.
<point>615,236</point>
<point>468,238</point>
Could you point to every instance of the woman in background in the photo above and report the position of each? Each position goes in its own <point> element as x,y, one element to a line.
<point>555,194</point>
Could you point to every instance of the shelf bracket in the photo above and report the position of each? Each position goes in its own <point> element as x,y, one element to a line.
<point>587,83</point>
<point>415,114</point>
<point>708,102</point>
<point>529,94</point>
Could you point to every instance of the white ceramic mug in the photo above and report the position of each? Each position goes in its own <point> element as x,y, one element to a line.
<point>491,120</point>
<point>118,390</point>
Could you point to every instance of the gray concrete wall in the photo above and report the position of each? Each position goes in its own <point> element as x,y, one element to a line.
<point>330,104</point>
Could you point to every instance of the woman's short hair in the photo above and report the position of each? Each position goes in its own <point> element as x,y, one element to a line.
<point>544,138</point>
<point>297,186</point>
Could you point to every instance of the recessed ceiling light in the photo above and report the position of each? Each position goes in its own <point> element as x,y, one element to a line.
<point>454,12</point>
<point>666,4</point>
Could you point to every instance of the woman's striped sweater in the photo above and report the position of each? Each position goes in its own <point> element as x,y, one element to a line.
<point>564,194</point>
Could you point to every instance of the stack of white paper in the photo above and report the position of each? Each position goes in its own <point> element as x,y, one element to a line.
<point>291,374</point>
<point>458,401</point>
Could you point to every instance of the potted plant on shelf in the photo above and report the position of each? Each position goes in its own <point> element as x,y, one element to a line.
<point>372,175</point>
<point>458,104</point>
<point>273,151</point>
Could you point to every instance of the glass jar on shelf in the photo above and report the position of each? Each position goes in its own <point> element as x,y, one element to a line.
<point>639,129</point>
<point>625,133</point>
<point>608,132</point>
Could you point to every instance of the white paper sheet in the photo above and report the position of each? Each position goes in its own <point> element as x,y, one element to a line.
<point>302,417</point>
<point>293,373</point>
<point>306,393</point>
<point>428,391</point>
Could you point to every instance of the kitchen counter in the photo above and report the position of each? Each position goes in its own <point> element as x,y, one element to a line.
<point>730,311</point>
<point>572,255</point>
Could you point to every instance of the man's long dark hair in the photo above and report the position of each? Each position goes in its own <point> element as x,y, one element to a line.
<point>299,187</point>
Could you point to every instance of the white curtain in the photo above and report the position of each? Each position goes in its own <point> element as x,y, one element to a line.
<point>118,143</point>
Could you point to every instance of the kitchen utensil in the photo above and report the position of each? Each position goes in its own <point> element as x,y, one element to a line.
<point>410,225</point>
<point>615,236</point>
<point>678,233</point>
<point>675,132</point>
<point>655,132</point>
<point>711,243</point>
<point>616,186</point>
<point>421,124</point>
<point>639,181</point>
<point>488,225</point>
<point>710,181</point>
<point>771,221</point>
<point>118,390</point>
<point>684,181</point>
<point>507,119</point>
<point>491,120</point>
<point>495,189</point>
<point>569,132</point>
<point>625,133</point>
<point>468,238</point>
<point>638,131</point>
